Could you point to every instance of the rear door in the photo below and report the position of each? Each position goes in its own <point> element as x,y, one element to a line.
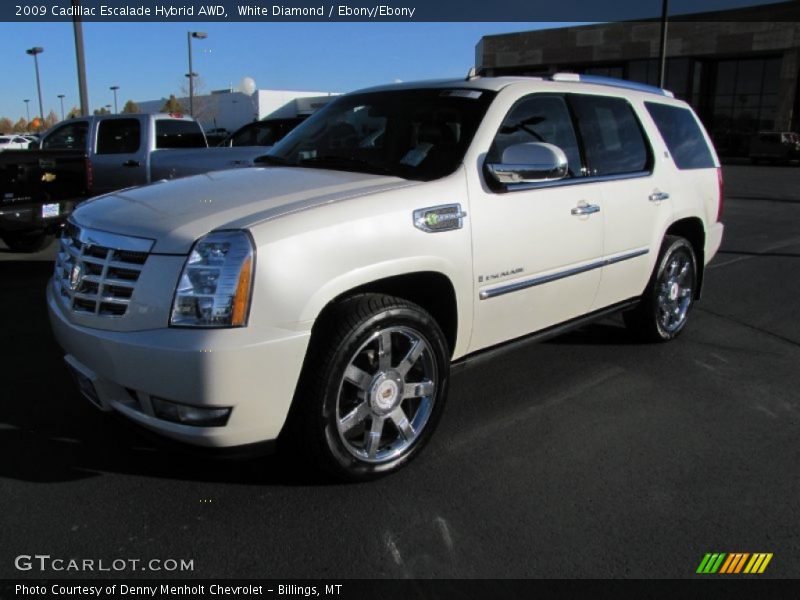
<point>119,159</point>
<point>635,192</point>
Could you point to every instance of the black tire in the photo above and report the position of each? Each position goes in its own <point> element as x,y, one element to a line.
<point>26,241</point>
<point>668,299</point>
<point>350,338</point>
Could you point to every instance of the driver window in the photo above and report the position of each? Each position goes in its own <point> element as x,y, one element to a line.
<point>538,118</point>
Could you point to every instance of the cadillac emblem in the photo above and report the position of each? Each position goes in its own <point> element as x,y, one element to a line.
<point>76,276</point>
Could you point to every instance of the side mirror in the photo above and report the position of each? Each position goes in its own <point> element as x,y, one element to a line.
<point>534,162</point>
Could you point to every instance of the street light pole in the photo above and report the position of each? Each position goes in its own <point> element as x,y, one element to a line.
<point>61,97</point>
<point>114,89</point>
<point>200,35</point>
<point>79,57</point>
<point>28,108</point>
<point>35,51</point>
<point>662,58</point>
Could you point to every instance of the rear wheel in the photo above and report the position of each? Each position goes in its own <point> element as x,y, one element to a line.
<point>664,309</point>
<point>26,241</point>
<point>373,387</point>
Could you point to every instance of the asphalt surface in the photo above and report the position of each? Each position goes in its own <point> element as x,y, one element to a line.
<point>586,456</point>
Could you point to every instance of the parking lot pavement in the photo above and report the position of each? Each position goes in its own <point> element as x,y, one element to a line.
<point>585,456</point>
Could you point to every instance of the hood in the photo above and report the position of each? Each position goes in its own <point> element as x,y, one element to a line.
<point>176,213</point>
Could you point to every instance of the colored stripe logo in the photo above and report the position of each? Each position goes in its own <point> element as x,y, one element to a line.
<point>734,563</point>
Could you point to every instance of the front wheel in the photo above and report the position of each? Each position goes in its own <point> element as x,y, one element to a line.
<point>664,309</point>
<point>372,389</point>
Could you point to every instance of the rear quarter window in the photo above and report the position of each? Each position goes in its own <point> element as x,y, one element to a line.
<point>179,134</point>
<point>683,136</point>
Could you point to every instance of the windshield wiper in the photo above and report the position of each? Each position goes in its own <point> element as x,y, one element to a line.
<point>345,163</point>
<point>271,159</point>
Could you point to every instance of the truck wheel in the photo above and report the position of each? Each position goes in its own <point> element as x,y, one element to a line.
<point>664,309</point>
<point>26,241</point>
<point>373,387</point>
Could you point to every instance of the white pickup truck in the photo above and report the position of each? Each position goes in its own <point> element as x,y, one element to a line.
<point>319,300</point>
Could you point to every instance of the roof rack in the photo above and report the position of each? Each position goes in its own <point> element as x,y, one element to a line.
<point>611,81</point>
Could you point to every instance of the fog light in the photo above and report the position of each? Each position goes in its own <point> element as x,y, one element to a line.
<point>190,415</point>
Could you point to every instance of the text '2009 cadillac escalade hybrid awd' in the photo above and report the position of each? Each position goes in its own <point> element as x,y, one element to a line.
<point>320,298</point>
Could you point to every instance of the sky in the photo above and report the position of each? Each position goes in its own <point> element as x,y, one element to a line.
<point>148,61</point>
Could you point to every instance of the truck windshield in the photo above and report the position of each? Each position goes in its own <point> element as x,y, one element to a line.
<point>419,134</point>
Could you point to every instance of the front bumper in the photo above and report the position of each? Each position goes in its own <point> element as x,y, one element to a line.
<point>255,371</point>
<point>28,216</point>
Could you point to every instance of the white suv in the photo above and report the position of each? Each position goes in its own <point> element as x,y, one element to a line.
<point>320,298</point>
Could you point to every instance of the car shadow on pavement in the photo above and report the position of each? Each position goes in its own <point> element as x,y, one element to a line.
<point>608,332</point>
<point>50,433</point>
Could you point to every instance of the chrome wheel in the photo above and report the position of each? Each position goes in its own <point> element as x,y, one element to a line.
<point>386,394</point>
<point>675,292</point>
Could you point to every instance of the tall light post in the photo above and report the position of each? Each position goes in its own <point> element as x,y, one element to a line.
<point>79,57</point>
<point>199,35</point>
<point>27,102</point>
<point>662,58</point>
<point>114,89</point>
<point>61,97</point>
<point>35,51</point>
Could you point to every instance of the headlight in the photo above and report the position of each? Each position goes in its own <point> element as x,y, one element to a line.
<point>215,284</point>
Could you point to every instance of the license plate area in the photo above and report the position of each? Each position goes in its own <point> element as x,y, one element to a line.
<point>50,210</point>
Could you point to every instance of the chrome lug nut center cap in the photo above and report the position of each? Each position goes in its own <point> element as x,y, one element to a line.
<point>386,393</point>
<point>674,290</point>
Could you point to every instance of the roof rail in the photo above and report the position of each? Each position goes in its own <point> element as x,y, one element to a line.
<point>611,81</point>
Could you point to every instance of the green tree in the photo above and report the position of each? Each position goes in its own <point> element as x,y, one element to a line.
<point>21,126</point>
<point>74,112</point>
<point>131,107</point>
<point>102,111</point>
<point>6,125</point>
<point>172,105</point>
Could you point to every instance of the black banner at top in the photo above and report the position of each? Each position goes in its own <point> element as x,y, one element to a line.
<point>392,10</point>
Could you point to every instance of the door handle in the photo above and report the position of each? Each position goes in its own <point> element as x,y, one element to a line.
<point>659,196</point>
<point>131,163</point>
<point>584,208</point>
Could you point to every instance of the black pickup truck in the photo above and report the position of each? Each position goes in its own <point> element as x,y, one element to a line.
<point>39,190</point>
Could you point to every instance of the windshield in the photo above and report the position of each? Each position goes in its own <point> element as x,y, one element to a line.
<point>261,133</point>
<point>417,134</point>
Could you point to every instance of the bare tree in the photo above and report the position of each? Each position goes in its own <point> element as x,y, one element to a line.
<point>206,106</point>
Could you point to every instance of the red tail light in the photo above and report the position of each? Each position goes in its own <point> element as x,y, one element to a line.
<point>89,175</point>
<point>721,194</point>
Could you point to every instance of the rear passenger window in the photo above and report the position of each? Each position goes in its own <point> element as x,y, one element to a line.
<point>612,137</point>
<point>682,135</point>
<point>179,134</point>
<point>118,136</point>
<point>538,118</point>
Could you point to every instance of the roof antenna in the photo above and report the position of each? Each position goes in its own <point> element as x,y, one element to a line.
<point>472,74</point>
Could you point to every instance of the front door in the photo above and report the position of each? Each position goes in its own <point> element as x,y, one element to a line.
<point>535,246</point>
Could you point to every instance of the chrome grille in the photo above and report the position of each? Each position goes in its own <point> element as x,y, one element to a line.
<point>96,272</point>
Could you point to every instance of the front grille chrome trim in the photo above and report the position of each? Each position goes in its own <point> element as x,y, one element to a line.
<point>106,285</point>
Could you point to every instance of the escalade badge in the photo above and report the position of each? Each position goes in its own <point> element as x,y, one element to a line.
<point>439,218</point>
<point>76,276</point>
